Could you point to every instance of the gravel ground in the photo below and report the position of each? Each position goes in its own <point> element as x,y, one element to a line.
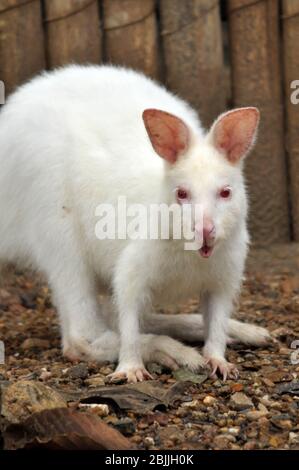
<point>259,411</point>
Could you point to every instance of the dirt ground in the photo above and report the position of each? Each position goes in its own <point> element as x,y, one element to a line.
<point>258,411</point>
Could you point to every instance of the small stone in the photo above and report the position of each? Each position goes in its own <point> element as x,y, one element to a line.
<point>106,370</point>
<point>96,408</point>
<point>275,442</point>
<point>235,431</point>
<point>125,425</point>
<point>45,375</point>
<point>79,371</point>
<point>149,442</point>
<point>240,401</point>
<point>251,445</point>
<point>279,376</point>
<point>282,421</point>
<point>95,381</point>
<point>32,343</point>
<point>209,400</point>
<point>193,405</point>
<point>237,387</point>
<point>263,408</point>
<point>223,441</point>
<point>294,438</point>
<point>254,415</point>
<point>136,439</point>
<point>162,418</point>
<point>267,382</point>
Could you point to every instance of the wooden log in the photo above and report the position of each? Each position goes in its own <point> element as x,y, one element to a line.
<point>291,68</point>
<point>130,31</point>
<point>73,32</point>
<point>193,54</point>
<point>21,41</point>
<point>256,81</point>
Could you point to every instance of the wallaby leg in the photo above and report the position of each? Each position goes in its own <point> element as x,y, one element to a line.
<point>190,328</point>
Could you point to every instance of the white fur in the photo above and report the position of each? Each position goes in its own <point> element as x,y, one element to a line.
<point>74,138</point>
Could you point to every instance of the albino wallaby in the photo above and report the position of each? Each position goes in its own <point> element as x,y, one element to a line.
<point>81,136</point>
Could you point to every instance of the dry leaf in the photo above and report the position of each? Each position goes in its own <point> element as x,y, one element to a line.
<point>140,398</point>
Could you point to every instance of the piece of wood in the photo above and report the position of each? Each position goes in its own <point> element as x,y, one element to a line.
<point>131,35</point>
<point>193,54</point>
<point>290,17</point>
<point>256,81</point>
<point>73,32</point>
<point>21,41</point>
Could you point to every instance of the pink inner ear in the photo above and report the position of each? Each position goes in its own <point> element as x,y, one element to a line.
<point>234,132</point>
<point>168,134</point>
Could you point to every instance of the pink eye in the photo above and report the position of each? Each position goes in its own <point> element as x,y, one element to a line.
<point>182,194</point>
<point>225,193</point>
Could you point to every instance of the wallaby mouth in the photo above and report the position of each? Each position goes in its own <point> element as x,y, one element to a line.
<point>206,250</point>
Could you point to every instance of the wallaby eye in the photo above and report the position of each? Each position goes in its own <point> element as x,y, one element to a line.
<point>182,194</point>
<point>225,193</point>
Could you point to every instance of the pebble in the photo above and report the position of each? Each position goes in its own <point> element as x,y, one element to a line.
<point>237,387</point>
<point>279,376</point>
<point>222,441</point>
<point>282,421</point>
<point>194,404</point>
<point>79,371</point>
<point>149,442</point>
<point>254,415</point>
<point>294,438</point>
<point>95,381</point>
<point>209,400</point>
<point>125,425</point>
<point>235,431</point>
<point>240,401</point>
<point>267,382</point>
<point>45,375</point>
<point>96,408</point>
<point>250,445</point>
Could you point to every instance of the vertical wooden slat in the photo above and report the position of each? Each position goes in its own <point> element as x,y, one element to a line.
<point>73,32</point>
<point>21,41</point>
<point>193,54</point>
<point>131,35</point>
<point>291,68</point>
<point>256,81</point>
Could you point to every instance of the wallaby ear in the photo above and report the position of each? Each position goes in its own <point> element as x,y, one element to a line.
<point>168,134</point>
<point>234,132</point>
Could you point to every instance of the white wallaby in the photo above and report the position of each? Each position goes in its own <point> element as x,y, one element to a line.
<point>82,136</point>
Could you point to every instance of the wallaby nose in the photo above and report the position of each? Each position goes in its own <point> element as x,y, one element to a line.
<point>205,230</point>
<point>208,230</point>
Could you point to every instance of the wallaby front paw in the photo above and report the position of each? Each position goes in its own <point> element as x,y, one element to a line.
<point>225,368</point>
<point>130,375</point>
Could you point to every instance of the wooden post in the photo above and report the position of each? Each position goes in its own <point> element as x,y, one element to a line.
<point>131,35</point>
<point>291,69</point>
<point>21,41</point>
<point>193,54</point>
<point>73,32</point>
<point>256,81</point>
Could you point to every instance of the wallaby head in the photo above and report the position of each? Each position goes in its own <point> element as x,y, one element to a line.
<point>206,170</point>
